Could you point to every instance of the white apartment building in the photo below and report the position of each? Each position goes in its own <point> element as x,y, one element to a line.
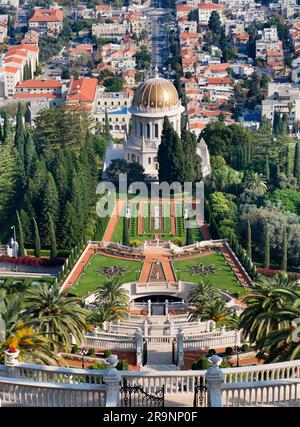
<point>268,41</point>
<point>206,9</point>
<point>3,28</point>
<point>9,3</point>
<point>283,98</point>
<point>110,31</point>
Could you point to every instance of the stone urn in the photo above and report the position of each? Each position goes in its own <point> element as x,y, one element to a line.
<point>112,361</point>
<point>11,356</point>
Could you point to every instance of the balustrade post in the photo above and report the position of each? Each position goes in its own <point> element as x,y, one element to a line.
<point>112,380</point>
<point>223,329</point>
<point>139,346</point>
<point>180,335</point>
<point>237,338</point>
<point>214,377</point>
<point>149,308</point>
<point>166,307</point>
<point>95,331</point>
<point>109,327</point>
<point>171,326</point>
<point>146,325</point>
<point>11,362</point>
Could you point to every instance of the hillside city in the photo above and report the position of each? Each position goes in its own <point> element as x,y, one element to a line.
<point>149,203</point>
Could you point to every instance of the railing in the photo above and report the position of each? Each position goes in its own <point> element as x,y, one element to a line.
<point>17,392</point>
<point>211,340</point>
<point>264,393</point>
<point>58,375</point>
<point>102,342</point>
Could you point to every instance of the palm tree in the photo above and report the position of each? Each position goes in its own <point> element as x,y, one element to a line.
<point>33,346</point>
<point>216,310</point>
<point>51,312</point>
<point>268,311</point>
<point>256,184</point>
<point>202,293</point>
<point>111,294</point>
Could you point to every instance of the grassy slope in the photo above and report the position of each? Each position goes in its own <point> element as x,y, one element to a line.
<point>92,279</point>
<point>224,278</point>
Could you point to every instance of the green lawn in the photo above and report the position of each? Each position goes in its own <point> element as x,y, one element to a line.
<point>90,280</point>
<point>223,279</point>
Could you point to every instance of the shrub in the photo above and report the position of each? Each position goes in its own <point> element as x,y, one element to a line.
<point>100,365</point>
<point>92,351</point>
<point>107,353</point>
<point>228,351</point>
<point>122,365</point>
<point>75,349</point>
<point>201,363</point>
<point>211,351</point>
<point>245,347</point>
<point>135,243</point>
<point>225,365</point>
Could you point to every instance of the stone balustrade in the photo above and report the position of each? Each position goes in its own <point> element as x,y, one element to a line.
<point>36,385</point>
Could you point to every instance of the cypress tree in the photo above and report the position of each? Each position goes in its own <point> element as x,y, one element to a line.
<point>37,240</point>
<point>189,236</point>
<point>296,171</point>
<point>53,244</point>
<point>277,127</point>
<point>125,239</point>
<point>287,162</point>
<point>50,206</point>
<point>26,225</point>
<point>106,125</point>
<point>249,240</point>
<point>21,236</point>
<point>267,169</point>
<point>266,246</point>
<point>30,155</point>
<point>6,128</point>
<point>284,250</point>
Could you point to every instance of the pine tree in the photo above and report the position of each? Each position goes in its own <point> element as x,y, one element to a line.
<point>30,156</point>
<point>37,240</point>
<point>284,250</point>
<point>52,237</point>
<point>249,240</point>
<point>296,171</point>
<point>266,246</point>
<point>21,236</point>
<point>8,177</point>
<point>267,169</point>
<point>287,162</point>
<point>68,231</point>
<point>277,127</point>
<point>125,239</point>
<point>26,225</point>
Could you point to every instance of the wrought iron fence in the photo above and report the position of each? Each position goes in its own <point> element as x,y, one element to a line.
<point>135,396</point>
<point>200,393</point>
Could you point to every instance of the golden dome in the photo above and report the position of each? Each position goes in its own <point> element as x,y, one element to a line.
<point>156,93</point>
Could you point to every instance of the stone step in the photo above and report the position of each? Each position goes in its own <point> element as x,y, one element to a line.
<point>153,367</point>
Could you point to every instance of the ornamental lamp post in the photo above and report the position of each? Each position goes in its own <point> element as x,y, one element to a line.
<point>83,352</point>
<point>237,349</point>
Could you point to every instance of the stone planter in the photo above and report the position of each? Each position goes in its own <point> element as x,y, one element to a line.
<point>11,357</point>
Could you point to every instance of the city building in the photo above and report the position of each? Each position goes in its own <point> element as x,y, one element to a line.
<point>47,21</point>
<point>206,9</point>
<point>82,93</point>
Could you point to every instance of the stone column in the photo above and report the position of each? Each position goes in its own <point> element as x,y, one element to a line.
<point>180,335</point>
<point>95,331</point>
<point>139,346</point>
<point>166,307</point>
<point>223,329</point>
<point>214,377</point>
<point>112,380</point>
<point>171,323</point>
<point>238,338</point>
<point>11,362</point>
<point>149,307</point>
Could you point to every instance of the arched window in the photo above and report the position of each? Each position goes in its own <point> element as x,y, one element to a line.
<point>156,130</point>
<point>141,129</point>
<point>148,130</point>
<point>133,157</point>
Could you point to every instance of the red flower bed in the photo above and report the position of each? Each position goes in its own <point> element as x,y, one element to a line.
<point>269,272</point>
<point>31,260</point>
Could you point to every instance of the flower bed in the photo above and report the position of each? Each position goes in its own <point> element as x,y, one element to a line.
<point>31,260</point>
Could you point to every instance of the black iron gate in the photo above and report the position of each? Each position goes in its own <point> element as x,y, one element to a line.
<point>144,354</point>
<point>174,351</point>
<point>200,393</point>
<point>135,396</point>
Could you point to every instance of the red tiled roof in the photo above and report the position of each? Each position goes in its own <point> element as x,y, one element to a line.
<point>82,90</point>
<point>36,95</point>
<point>40,84</point>
<point>218,81</point>
<point>183,8</point>
<point>209,6</point>
<point>47,15</point>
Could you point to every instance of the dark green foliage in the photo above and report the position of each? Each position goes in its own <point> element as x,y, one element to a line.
<point>125,239</point>
<point>201,363</point>
<point>267,169</point>
<point>284,261</point>
<point>189,236</point>
<point>229,351</point>
<point>52,237</point>
<point>287,162</point>
<point>20,236</point>
<point>296,170</point>
<point>249,240</point>
<point>37,240</point>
